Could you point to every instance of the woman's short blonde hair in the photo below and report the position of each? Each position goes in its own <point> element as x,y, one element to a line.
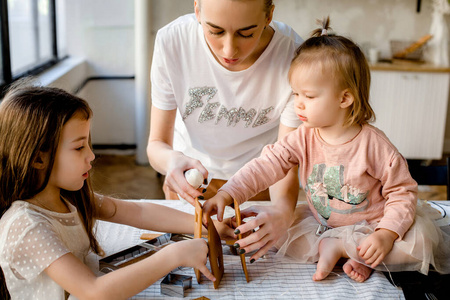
<point>268,4</point>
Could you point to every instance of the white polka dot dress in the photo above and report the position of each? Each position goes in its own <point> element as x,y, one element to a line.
<point>31,238</point>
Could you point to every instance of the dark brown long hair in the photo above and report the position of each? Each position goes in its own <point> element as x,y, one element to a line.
<point>347,63</point>
<point>31,120</point>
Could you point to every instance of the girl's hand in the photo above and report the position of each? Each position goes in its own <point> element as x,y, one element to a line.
<point>192,253</point>
<point>216,205</point>
<point>376,246</point>
<point>226,229</point>
<point>175,180</point>
<point>272,221</point>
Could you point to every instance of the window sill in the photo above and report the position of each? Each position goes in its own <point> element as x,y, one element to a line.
<point>68,74</point>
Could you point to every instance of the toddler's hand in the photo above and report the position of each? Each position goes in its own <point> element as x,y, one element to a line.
<point>226,228</point>
<point>376,246</point>
<point>216,205</point>
<point>193,253</point>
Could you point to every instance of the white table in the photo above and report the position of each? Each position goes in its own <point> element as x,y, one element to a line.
<point>270,277</point>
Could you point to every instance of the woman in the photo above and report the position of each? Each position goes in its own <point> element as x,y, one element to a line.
<point>219,94</point>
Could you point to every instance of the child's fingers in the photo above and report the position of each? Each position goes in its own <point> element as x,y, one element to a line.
<point>371,260</point>
<point>377,262</point>
<point>220,210</point>
<point>363,249</point>
<point>369,253</point>
<point>208,210</point>
<point>375,258</point>
<point>207,273</point>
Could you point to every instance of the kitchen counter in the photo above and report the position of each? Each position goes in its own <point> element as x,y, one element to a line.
<point>408,66</point>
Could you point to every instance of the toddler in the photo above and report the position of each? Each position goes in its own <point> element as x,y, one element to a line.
<point>362,201</point>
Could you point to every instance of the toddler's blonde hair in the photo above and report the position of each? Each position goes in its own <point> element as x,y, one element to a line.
<point>347,64</point>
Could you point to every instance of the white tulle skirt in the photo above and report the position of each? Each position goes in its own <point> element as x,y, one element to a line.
<point>424,245</point>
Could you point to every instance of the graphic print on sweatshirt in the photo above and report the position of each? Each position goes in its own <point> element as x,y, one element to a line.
<point>326,184</point>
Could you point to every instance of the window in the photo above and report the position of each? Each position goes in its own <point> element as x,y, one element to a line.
<point>29,37</point>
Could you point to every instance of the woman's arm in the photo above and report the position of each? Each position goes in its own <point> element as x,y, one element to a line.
<point>167,161</point>
<point>76,278</point>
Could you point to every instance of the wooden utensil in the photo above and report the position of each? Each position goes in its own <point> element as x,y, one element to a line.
<point>413,47</point>
<point>239,222</point>
<point>214,245</point>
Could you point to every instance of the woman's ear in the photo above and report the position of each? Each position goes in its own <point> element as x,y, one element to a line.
<point>270,15</point>
<point>41,161</point>
<point>197,11</point>
<point>347,98</point>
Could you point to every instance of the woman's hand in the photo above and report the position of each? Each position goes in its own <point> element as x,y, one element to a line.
<point>376,246</point>
<point>192,253</point>
<point>272,221</point>
<point>175,180</point>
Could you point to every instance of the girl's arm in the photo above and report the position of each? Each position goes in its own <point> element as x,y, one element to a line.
<point>275,162</point>
<point>152,216</point>
<point>400,191</point>
<point>167,161</point>
<point>273,220</point>
<point>76,278</point>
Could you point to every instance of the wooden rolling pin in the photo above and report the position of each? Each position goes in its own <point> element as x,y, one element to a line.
<point>413,47</point>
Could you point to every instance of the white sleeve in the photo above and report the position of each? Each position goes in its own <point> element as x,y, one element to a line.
<point>162,92</point>
<point>288,116</point>
<point>288,31</point>
<point>32,247</point>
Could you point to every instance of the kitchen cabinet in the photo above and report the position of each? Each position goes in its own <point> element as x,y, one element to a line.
<point>410,105</point>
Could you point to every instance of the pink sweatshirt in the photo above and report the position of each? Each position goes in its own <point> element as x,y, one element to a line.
<point>363,179</point>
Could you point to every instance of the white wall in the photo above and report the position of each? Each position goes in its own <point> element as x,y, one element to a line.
<point>102,31</point>
<point>112,124</point>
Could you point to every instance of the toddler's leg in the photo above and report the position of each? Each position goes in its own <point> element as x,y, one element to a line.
<point>330,251</point>
<point>356,271</point>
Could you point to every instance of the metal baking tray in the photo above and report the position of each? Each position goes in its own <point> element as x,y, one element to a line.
<point>139,252</point>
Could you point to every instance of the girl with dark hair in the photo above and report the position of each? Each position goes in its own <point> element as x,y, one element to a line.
<point>48,209</point>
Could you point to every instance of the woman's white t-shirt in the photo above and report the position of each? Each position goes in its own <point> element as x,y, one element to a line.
<point>31,238</point>
<point>224,118</point>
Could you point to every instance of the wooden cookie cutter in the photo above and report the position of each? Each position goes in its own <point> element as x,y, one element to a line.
<point>215,244</point>
<point>239,222</point>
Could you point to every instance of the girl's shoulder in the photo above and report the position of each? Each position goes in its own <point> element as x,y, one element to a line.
<point>20,217</point>
<point>375,135</point>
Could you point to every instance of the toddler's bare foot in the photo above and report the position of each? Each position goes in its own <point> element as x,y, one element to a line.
<point>356,271</point>
<point>330,251</point>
